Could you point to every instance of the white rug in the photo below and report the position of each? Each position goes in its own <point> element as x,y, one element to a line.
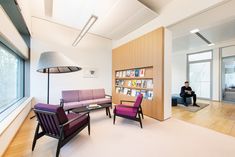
<point>171,138</point>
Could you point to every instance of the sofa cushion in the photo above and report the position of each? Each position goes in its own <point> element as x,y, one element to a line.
<point>120,110</point>
<point>72,105</point>
<point>102,101</point>
<point>98,93</point>
<point>70,95</point>
<point>85,95</point>
<point>75,125</point>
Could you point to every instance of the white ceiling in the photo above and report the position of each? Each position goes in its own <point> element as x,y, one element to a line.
<point>116,18</point>
<point>216,24</point>
<point>156,5</point>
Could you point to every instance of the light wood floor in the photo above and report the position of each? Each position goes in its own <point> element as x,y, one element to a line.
<point>217,116</point>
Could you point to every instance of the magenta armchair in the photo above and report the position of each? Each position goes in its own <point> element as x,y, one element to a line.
<point>130,112</point>
<point>56,124</point>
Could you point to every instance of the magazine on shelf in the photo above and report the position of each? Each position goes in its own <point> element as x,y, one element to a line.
<point>133,92</point>
<point>143,83</point>
<point>137,72</point>
<point>132,73</point>
<point>138,83</point>
<point>149,83</point>
<point>141,73</point>
<point>143,92</point>
<point>133,83</point>
<point>128,73</point>
<point>129,92</point>
<point>124,74</point>
<point>117,74</point>
<point>118,90</point>
<point>119,82</point>
<point>120,73</point>
<point>137,92</point>
<point>129,83</point>
<point>149,95</point>
<point>125,90</point>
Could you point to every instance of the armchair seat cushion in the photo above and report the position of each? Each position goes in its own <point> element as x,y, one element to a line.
<point>75,125</point>
<point>121,110</point>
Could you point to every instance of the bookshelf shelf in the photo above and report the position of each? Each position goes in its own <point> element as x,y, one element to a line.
<point>139,88</point>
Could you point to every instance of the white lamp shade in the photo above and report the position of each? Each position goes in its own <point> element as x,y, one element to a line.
<point>55,62</point>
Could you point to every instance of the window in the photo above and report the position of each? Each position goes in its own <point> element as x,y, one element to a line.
<point>199,73</point>
<point>11,79</point>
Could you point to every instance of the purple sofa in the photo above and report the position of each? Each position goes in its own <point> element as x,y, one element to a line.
<point>77,98</point>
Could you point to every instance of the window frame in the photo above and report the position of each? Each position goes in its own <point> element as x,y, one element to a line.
<point>15,103</point>
<point>201,61</point>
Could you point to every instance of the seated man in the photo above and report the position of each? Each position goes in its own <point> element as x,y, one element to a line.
<point>186,91</point>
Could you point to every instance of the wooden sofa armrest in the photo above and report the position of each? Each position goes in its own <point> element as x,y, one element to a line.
<point>108,95</point>
<point>121,101</point>
<point>70,121</point>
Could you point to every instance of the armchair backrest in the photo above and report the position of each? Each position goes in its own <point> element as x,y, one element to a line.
<point>138,100</point>
<point>50,117</point>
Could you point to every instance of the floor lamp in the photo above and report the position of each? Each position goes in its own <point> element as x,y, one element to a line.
<point>54,63</point>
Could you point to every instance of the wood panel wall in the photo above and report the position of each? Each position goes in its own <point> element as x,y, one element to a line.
<point>145,51</point>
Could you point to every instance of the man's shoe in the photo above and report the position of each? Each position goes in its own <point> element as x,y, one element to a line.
<point>185,104</point>
<point>196,105</point>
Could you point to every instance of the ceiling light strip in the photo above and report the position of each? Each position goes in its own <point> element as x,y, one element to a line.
<point>85,29</point>
<point>203,38</point>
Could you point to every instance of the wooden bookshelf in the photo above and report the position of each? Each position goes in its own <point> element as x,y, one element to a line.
<point>146,52</point>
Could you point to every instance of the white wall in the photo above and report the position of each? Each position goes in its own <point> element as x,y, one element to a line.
<point>167,73</point>
<point>179,66</point>
<point>92,51</point>
<point>179,71</point>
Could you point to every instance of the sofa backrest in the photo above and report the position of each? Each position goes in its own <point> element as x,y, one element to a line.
<point>86,94</point>
<point>70,95</point>
<point>98,93</point>
<point>81,95</point>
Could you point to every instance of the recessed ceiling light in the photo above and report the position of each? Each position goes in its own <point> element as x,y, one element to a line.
<point>194,31</point>
<point>211,44</point>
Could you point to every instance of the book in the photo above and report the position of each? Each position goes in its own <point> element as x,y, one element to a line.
<point>138,83</point>
<point>149,83</point>
<point>129,83</point>
<point>143,92</point>
<point>129,92</point>
<point>133,83</point>
<point>143,83</point>
<point>133,92</point>
<point>128,73</point>
<point>141,73</point>
<point>125,91</point>
<point>137,92</point>
<point>132,73</point>
<point>118,90</point>
<point>137,72</point>
<point>149,95</point>
<point>124,74</point>
<point>120,74</point>
<point>117,74</point>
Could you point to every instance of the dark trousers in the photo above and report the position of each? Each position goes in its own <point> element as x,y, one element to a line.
<point>185,95</point>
